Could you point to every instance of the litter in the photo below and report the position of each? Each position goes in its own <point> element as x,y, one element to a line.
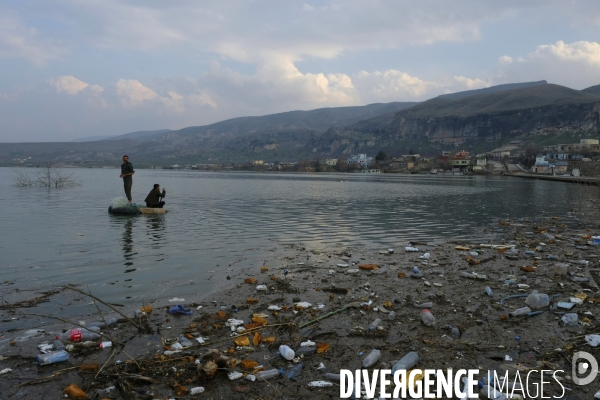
<point>179,309</point>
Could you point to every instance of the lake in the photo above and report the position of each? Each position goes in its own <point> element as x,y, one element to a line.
<point>59,236</point>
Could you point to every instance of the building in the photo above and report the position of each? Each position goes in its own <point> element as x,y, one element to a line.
<point>371,171</point>
<point>480,164</point>
<point>360,160</point>
<point>398,163</point>
<point>502,151</point>
<point>584,145</point>
<point>330,161</point>
<point>258,162</point>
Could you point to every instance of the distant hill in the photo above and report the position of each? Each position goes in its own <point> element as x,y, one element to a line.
<point>477,121</point>
<point>593,90</point>
<point>492,89</point>
<point>131,135</point>
<point>529,97</point>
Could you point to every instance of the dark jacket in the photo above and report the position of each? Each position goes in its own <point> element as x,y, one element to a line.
<point>154,196</point>
<point>126,169</point>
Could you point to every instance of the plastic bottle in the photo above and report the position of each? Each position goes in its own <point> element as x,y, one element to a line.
<point>294,372</point>
<point>392,315</point>
<point>58,345</point>
<point>332,376</point>
<point>537,300</point>
<point>488,291</point>
<point>286,352</point>
<point>185,342</point>
<point>530,253</point>
<point>305,351</point>
<point>139,313</point>
<point>468,275</point>
<point>52,357</point>
<point>272,373</point>
<point>406,362</point>
<point>416,269</point>
<point>371,358</point>
<point>80,334</point>
<point>374,324</point>
<point>425,256</point>
<point>519,311</point>
<point>423,305</point>
<point>427,317</point>
<point>569,319</point>
<point>509,282</point>
<point>101,324</point>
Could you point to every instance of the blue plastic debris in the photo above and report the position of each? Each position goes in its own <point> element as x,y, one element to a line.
<point>179,309</point>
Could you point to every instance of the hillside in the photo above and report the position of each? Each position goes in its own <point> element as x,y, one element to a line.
<point>474,120</point>
<point>593,90</point>
<point>492,89</point>
<point>510,100</point>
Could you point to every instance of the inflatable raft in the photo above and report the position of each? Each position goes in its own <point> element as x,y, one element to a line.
<point>134,209</point>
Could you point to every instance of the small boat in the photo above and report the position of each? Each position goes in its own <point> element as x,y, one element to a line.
<point>135,209</point>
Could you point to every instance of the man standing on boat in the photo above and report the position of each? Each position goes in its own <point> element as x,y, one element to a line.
<point>153,200</point>
<point>127,175</point>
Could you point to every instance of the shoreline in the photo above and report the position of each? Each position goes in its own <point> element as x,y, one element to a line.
<point>484,341</point>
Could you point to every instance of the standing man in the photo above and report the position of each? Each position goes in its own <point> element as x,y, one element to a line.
<point>127,175</point>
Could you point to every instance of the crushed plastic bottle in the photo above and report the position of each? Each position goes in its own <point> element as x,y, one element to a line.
<point>392,315</point>
<point>185,342</point>
<point>80,334</point>
<point>294,372</point>
<point>488,291</point>
<point>537,300</point>
<point>269,374</point>
<point>371,358</point>
<point>375,324</point>
<point>423,305</point>
<point>570,319</point>
<point>405,363</point>
<point>427,317</point>
<point>333,377</point>
<point>425,256</point>
<point>519,311</point>
<point>416,269</point>
<point>52,357</point>
<point>455,332</point>
<point>58,345</point>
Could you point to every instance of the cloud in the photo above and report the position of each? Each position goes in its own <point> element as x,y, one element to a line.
<point>392,85</point>
<point>68,84</point>
<point>576,64</point>
<point>202,99</point>
<point>19,41</point>
<point>132,92</point>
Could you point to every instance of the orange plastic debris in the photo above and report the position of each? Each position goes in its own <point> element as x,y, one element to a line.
<point>146,309</point>
<point>242,341</point>
<point>264,269</point>
<point>387,304</point>
<point>88,367</point>
<point>250,300</point>
<point>462,248</point>
<point>368,267</point>
<point>248,364</point>
<point>252,326</point>
<point>75,392</point>
<point>527,269</point>
<point>401,275</point>
<point>260,320</point>
<point>257,338</point>
<point>221,315</point>
<point>250,280</point>
<point>270,339</point>
<point>501,250</point>
<point>273,278</point>
<point>322,347</point>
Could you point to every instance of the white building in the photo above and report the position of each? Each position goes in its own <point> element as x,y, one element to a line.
<point>360,160</point>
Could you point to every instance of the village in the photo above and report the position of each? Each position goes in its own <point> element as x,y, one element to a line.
<point>517,156</point>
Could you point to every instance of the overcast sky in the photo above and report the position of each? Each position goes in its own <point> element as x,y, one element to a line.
<point>71,69</point>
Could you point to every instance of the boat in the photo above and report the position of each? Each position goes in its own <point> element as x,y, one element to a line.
<point>433,171</point>
<point>135,209</point>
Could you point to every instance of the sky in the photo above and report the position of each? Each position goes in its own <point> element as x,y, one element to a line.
<point>79,68</point>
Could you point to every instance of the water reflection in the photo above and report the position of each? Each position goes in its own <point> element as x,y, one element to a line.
<point>156,227</point>
<point>129,252</point>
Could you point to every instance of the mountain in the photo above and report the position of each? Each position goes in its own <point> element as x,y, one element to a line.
<point>131,135</point>
<point>593,90</point>
<point>478,120</point>
<point>492,89</point>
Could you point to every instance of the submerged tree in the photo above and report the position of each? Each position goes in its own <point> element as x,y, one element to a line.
<point>49,175</point>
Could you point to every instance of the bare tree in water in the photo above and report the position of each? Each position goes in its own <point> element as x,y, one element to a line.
<point>49,175</point>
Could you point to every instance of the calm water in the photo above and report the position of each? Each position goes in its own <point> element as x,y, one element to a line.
<point>217,219</point>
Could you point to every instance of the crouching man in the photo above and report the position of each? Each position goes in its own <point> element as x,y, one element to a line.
<point>153,200</point>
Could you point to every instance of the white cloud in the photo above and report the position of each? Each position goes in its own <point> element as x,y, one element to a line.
<point>174,101</point>
<point>132,92</point>
<point>392,85</point>
<point>202,99</point>
<point>469,83</point>
<point>574,65</point>
<point>68,84</point>
<point>20,41</point>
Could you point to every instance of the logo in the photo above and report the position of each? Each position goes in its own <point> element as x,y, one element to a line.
<point>584,363</point>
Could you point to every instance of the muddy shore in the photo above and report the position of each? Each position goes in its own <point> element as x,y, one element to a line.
<point>359,285</point>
